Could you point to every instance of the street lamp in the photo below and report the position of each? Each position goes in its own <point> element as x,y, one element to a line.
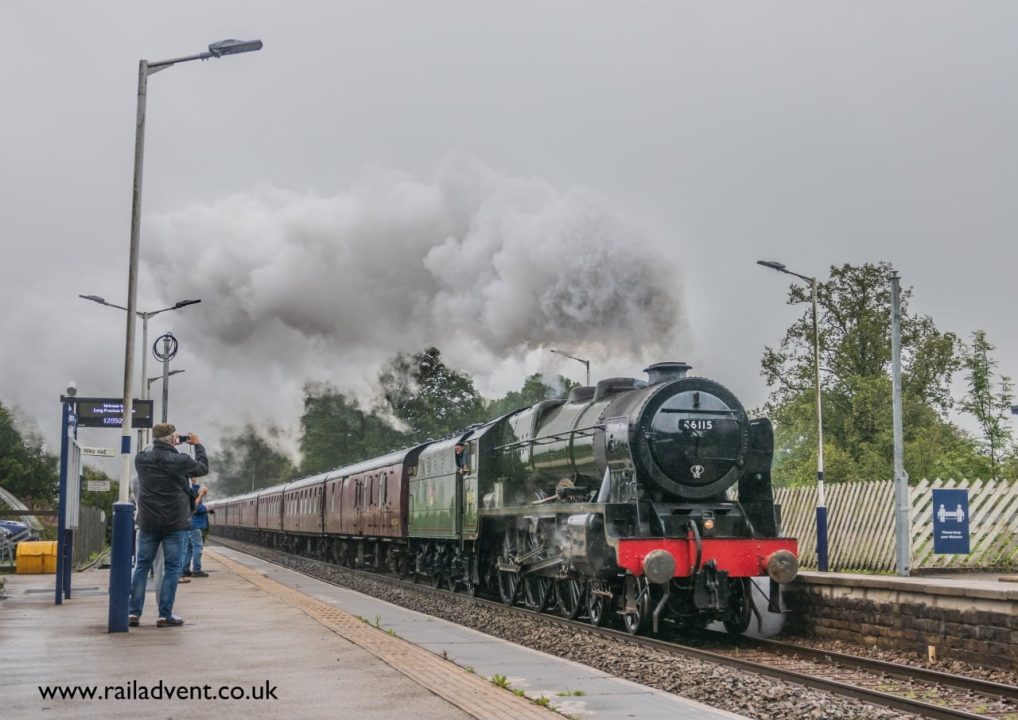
<point>144,336</point>
<point>120,570</point>
<point>581,360</point>
<point>146,68</point>
<point>821,501</point>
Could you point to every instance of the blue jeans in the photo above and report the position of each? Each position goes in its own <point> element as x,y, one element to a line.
<point>173,549</point>
<point>192,555</point>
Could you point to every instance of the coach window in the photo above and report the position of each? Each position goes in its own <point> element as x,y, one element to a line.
<point>385,489</point>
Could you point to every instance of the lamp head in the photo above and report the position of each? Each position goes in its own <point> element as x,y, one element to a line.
<point>93,298</point>
<point>233,47</point>
<point>772,264</point>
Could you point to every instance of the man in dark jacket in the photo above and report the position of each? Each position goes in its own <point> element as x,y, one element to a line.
<point>164,515</point>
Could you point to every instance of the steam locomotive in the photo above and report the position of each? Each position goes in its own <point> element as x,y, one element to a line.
<point>639,501</point>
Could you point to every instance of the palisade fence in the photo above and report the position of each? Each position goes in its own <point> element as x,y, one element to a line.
<point>90,537</point>
<point>860,518</point>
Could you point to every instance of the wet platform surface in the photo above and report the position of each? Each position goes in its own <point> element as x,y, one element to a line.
<point>252,626</point>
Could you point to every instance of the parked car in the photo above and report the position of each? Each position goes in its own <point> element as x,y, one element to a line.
<point>16,531</point>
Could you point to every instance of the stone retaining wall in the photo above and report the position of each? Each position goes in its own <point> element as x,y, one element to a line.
<point>977,625</point>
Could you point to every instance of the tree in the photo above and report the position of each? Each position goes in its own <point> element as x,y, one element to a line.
<point>26,469</point>
<point>248,462</point>
<point>336,432</point>
<point>534,390</point>
<point>988,400</point>
<point>855,354</point>
<point>428,397</point>
<point>103,500</point>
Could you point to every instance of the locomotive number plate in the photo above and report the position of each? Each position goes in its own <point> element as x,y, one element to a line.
<point>697,424</point>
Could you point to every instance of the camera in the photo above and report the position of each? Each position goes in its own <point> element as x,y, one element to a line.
<point>183,438</point>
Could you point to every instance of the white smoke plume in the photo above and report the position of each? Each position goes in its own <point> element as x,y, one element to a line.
<point>491,269</point>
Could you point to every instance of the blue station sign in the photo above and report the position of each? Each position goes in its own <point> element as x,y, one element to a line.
<point>951,522</point>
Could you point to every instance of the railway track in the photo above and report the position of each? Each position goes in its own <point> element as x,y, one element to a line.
<point>904,688</point>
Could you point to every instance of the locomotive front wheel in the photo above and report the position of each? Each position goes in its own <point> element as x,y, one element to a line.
<point>740,606</point>
<point>570,598</point>
<point>508,580</point>
<point>598,603</point>
<point>635,601</point>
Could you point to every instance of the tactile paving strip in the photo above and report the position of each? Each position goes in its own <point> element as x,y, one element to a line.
<point>471,693</point>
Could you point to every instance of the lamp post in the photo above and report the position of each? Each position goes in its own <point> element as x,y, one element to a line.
<point>821,500</point>
<point>146,68</point>
<point>166,388</point>
<point>580,360</point>
<point>120,554</point>
<point>144,338</point>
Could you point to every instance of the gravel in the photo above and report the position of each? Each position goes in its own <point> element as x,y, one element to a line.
<point>721,687</point>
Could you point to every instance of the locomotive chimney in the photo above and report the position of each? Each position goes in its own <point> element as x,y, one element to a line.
<point>666,371</point>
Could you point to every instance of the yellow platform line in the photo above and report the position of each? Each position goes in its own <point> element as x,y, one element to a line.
<point>467,691</point>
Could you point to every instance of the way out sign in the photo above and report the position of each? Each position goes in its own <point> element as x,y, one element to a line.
<point>951,522</point>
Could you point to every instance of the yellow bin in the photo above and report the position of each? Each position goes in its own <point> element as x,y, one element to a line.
<point>37,557</point>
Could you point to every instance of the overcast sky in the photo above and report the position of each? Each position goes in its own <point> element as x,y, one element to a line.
<point>494,178</point>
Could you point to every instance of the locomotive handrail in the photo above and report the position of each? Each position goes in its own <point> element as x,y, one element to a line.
<point>557,437</point>
<point>700,411</point>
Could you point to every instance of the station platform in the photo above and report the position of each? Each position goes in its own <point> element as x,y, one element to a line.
<point>971,617</point>
<point>290,646</point>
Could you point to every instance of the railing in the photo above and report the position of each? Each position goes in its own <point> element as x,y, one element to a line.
<point>861,525</point>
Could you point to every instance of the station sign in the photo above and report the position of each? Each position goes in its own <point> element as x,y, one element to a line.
<point>98,452</point>
<point>950,522</point>
<point>109,412</point>
<point>97,485</point>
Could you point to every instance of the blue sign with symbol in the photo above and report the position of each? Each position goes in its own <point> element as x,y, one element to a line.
<point>951,522</point>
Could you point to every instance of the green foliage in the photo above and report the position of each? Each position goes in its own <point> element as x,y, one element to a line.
<point>421,393</point>
<point>854,326</point>
<point>534,390</point>
<point>988,400</point>
<point>26,469</point>
<point>430,399</point>
<point>248,462</point>
<point>102,500</point>
<point>336,432</point>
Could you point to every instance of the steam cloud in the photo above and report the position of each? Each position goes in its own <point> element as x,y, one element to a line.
<point>491,269</point>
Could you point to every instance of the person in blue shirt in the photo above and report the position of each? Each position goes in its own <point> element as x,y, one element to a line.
<point>195,541</point>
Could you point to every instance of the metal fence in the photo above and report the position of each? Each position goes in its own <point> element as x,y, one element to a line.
<point>861,525</point>
<point>90,535</point>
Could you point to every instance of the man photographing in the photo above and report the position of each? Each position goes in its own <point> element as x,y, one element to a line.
<point>164,515</point>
